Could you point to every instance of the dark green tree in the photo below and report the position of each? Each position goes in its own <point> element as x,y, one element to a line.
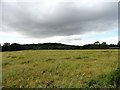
<point>6,44</point>
<point>103,45</point>
<point>15,47</point>
<point>97,43</point>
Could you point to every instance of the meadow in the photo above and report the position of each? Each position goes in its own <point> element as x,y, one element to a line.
<point>59,68</point>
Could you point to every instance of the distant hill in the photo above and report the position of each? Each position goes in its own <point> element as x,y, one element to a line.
<point>46,46</point>
<point>15,46</point>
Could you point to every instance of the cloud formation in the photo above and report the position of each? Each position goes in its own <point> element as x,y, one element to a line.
<point>45,19</point>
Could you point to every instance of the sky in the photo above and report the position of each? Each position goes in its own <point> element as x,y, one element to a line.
<point>74,22</point>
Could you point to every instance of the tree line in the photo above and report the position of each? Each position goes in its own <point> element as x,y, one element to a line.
<point>47,46</point>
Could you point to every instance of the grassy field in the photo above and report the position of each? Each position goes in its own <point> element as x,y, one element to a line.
<point>58,68</point>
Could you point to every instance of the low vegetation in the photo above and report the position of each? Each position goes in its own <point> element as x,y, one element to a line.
<point>61,69</point>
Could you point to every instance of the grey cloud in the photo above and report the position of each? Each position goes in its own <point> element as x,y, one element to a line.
<point>64,19</point>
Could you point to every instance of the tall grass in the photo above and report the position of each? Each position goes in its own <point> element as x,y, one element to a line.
<point>59,68</point>
<point>106,80</point>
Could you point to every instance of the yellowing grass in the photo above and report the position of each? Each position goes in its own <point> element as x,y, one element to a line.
<point>56,68</point>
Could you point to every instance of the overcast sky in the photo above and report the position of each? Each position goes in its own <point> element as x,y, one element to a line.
<point>75,22</point>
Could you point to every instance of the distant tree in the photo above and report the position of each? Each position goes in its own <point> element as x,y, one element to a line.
<point>15,46</point>
<point>6,44</point>
<point>97,43</point>
<point>103,45</point>
<point>6,47</point>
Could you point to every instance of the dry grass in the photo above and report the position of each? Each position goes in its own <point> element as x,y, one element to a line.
<point>56,68</point>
